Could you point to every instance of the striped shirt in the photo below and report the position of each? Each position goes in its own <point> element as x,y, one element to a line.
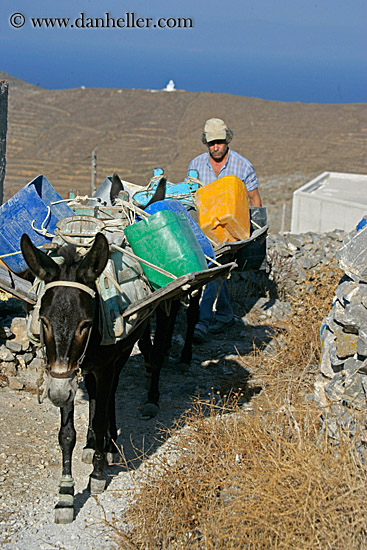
<point>236,165</point>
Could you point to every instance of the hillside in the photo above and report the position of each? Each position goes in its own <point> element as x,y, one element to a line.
<point>54,132</point>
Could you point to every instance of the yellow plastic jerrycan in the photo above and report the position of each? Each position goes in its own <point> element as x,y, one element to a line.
<point>223,210</point>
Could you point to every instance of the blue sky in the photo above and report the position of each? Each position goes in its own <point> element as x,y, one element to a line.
<point>287,50</point>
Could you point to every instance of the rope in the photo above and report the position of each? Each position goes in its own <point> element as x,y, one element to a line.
<point>116,285</point>
<point>193,180</point>
<point>36,283</point>
<point>145,262</point>
<point>77,199</point>
<point>133,207</point>
<point>217,294</point>
<point>256,224</point>
<point>15,253</point>
<point>70,240</point>
<point>213,260</point>
<point>43,230</point>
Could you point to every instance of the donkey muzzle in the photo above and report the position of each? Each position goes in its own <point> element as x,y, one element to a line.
<point>61,391</point>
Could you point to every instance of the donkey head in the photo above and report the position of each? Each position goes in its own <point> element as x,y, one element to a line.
<point>67,309</point>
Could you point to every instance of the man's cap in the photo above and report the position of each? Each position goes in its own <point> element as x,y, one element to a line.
<point>215,129</point>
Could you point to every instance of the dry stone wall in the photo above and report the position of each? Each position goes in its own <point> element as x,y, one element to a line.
<point>341,388</point>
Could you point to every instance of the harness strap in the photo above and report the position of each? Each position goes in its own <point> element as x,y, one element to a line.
<point>71,284</point>
<point>73,372</point>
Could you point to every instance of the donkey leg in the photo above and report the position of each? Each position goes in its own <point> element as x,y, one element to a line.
<point>104,381</point>
<point>64,509</point>
<point>162,343</point>
<point>88,451</point>
<point>192,317</point>
<point>146,347</point>
<point>111,436</point>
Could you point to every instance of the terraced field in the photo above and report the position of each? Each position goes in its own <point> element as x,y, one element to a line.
<point>55,131</point>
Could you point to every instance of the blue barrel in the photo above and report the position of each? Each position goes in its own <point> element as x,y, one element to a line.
<point>28,205</point>
<point>177,206</point>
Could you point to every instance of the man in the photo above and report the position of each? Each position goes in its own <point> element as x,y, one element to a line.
<point>220,161</point>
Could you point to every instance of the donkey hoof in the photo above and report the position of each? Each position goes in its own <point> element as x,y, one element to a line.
<point>97,486</point>
<point>64,515</point>
<point>111,458</point>
<point>87,456</point>
<point>150,410</point>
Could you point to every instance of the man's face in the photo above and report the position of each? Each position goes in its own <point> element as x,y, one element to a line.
<point>218,149</point>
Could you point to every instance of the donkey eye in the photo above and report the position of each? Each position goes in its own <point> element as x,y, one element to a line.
<point>83,327</point>
<point>45,323</point>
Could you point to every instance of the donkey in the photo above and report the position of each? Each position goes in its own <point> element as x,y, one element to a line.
<point>69,331</point>
<point>156,352</point>
<point>69,316</point>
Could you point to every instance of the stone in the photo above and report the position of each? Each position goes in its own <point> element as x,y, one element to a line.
<point>9,368</point>
<point>19,328</point>
<point>362,341</point>
<point>338,420</point>
<point>338,311</point>
<point>347,389</point>
<point>6,333</point>
<point>336,362</point>
<point>334,390</point>
<point>292,248</point>
<point>5,354</point>
<point>27,358</point>
<point>306,263</point>
<point>26,346</point>
<point>352,365</point>
<point>354,393</point>
<point>346,343</point>
<point>319,387</point>
<point>330,322</point>
<point>353,317</point>
<point>14,346</point>
<point>36,364</point>
<point>294,240</point>
<point>344,289</point>
<point>352,255</point>
<point>327,338</point>
<point>15,384</point>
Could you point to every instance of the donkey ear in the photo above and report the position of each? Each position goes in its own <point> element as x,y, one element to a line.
<point>41,265</point>
<point>116,187</point>
<point>160,192</point>
<point>94,261</point>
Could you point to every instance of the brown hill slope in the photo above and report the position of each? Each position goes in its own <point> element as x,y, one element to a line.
<point>54,132</point>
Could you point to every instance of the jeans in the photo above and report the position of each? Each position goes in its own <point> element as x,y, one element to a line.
<point>224,312</point>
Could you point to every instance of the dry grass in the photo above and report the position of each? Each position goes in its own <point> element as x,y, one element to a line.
<point>256,476</point>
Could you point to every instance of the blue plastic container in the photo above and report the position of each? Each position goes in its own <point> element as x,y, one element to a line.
<point>176,206</point>
<point>17,214</point>
<point>173,190</point>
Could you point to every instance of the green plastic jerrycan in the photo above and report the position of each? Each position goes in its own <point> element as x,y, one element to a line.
<point>166,240</point>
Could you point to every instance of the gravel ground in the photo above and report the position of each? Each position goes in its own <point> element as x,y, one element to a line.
<point>30,459</point>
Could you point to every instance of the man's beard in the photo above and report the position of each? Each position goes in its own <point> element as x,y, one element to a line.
<point>218,156</point>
